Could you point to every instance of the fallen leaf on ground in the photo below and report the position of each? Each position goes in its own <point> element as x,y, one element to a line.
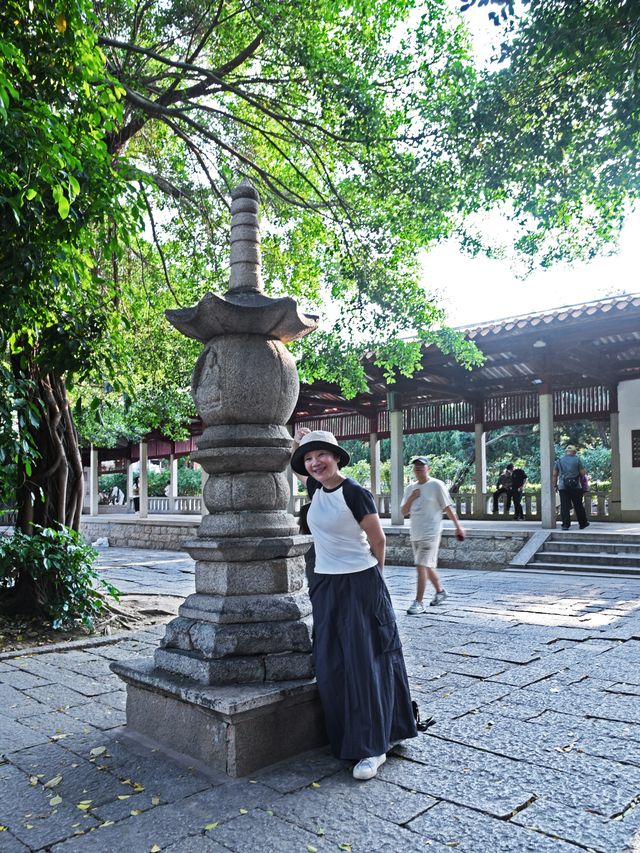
<point>53,782</point>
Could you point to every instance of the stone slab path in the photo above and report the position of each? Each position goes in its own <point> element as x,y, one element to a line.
<point>534,682</point>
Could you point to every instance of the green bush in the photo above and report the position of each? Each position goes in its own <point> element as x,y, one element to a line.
<point>189,481</point>
<point>59,564</point>
<point>157,483</point>
<point>107,481</point>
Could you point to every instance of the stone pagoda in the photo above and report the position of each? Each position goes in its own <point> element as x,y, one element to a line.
<point>231,683</point>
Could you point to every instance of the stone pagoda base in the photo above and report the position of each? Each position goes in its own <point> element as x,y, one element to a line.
<point>232,729</point>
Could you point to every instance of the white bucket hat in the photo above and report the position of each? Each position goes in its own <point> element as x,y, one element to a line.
<point>319,439</point>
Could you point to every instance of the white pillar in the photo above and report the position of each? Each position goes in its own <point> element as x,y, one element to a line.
<point>374,462</point>
<point>173,482</point>
<point>291,479</point>
<point>480,473</point>
<point>143,482</point>
<point>397,466</point>
<point>615,501</point>
<point>204,477</point>
<point>547,460</point>
<point>93,482</point>
<point>129,468</point>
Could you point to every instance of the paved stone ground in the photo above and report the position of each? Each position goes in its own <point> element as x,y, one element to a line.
<point>534,682</point>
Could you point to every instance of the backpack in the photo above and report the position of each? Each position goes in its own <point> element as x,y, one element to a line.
<point>569,483</point>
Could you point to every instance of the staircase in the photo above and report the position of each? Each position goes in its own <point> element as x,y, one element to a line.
<point>588,553</point>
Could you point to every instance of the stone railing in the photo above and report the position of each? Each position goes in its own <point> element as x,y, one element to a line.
<point>189,504</point>
<point>596,505</point>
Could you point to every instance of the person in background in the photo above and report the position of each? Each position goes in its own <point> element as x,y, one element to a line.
<point>567,473</point>
<point>504,487</point>
<point>357,654</point>
<point>135,493</point>
<point>424,502</point>
<point>518,479</point>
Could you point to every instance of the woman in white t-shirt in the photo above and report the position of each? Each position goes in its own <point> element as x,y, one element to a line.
<point>357,653</point>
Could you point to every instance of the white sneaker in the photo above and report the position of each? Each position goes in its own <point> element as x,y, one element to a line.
<point>438,598</point>
<point>368,767</point>
<point>416,608</point>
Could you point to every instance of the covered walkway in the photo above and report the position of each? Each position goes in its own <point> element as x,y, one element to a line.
<point>574,363</point>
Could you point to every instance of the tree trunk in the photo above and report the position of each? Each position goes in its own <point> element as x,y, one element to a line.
<point>51,493</point>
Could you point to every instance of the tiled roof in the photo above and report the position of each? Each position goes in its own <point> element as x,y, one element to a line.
<point>554,315</point>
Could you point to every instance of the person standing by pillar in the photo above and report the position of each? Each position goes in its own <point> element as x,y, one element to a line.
<point>518,479</point>
<point>566,479</point>
<point>504,487</point>
<point>425,501</point>
<point>357,653</point>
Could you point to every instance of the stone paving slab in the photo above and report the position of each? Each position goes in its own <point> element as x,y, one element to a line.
<point>534,682</point>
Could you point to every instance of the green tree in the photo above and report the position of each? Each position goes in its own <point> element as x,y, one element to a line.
<point>557,124</point>
<point>341,115</point>
<point>64,208</point>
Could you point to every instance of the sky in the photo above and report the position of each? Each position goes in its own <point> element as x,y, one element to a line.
<point>478,290</point>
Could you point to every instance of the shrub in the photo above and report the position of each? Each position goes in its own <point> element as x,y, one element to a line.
<point>157,482</point>
<point>189,481</point>
<point>58,566</point>
<point>107,481</point>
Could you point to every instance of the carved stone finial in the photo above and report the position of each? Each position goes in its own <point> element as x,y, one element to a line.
<point>246,258</point>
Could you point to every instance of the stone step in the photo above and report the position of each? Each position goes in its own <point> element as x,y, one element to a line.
<point>588,536</point>
<point>588,558</point>
<point>578,545</point>
<point>584,568</point>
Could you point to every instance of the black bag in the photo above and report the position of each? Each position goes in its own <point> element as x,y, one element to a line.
<point>572,483</point>
<point>420,725</point>
<point>302,519</point>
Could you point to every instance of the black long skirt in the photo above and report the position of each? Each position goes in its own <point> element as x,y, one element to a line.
<point>359,665</point>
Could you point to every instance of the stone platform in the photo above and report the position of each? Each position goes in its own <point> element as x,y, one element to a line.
<point>532,680</point>
<point>233,730</point>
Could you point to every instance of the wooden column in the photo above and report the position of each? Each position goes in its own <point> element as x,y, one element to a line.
<point>291,478</point>
<point>129,496</point>
<point>547,459</point>
<point>615,501</point>
<point>397,459</point>
<point>173,482</point>
<point>93,482</point>
<point>143,481</point>
<point>480,473</point>
<point>205,477</point>
<point>374,462</point>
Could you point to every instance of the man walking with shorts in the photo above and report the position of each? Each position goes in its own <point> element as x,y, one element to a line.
<point>425,501</point>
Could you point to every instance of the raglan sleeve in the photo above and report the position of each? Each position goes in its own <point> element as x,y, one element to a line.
<point>359,500</point>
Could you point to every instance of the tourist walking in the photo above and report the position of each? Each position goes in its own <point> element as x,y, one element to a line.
<point>567,473</point>
<point>424,502</point>
<point>357,653</point>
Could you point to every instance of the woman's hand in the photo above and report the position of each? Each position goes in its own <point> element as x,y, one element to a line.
<point>375,534</point>
<point>300,434</point>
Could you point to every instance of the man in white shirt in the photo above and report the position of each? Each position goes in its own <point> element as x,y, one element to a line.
<point>425,501</point>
